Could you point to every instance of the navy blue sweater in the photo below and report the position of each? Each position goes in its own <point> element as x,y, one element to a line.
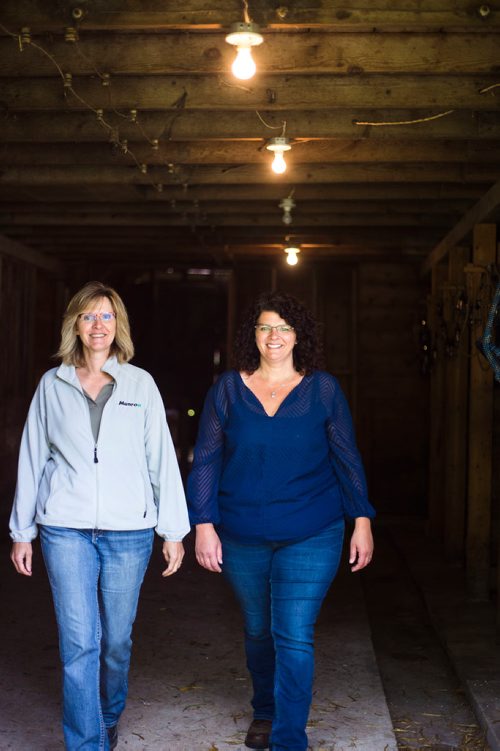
<point>276,478</point>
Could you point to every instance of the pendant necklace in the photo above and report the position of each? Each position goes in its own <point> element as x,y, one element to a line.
<point>274,390</point>
<point>278,388</point>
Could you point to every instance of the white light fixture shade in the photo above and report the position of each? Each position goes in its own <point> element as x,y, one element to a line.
<point>291,255</point>
<point>278,144</point>
<point>244,36</point>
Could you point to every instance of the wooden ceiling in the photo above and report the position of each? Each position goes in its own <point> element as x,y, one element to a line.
<point>125,137</point>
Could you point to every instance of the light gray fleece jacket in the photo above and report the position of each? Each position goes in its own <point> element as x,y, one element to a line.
<point>129,480</point>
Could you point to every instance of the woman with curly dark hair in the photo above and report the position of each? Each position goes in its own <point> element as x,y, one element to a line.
<point>275,472</point>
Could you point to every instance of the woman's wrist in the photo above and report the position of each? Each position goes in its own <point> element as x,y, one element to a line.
<point>363,521</point>
<point>204,527</point>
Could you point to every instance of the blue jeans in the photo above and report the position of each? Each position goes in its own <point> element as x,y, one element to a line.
<point>280,587</point>
<point>95,577</point>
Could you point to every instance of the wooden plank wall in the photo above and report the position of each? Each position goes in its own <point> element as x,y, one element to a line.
<point>30,313</point>
<point>392,391</point>
<point>478,534</point>
<point>495,497</point>
<point>456,354</point>
<point>435,477</point>
<point>464,484</point>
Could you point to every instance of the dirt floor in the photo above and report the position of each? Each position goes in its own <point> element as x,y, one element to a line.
<point>401,657</point>
<point>427,702</point>
<point>189,689</point>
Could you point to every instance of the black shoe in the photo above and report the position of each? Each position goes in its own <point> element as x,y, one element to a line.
<point>258,734</point>
<point>113,736</point>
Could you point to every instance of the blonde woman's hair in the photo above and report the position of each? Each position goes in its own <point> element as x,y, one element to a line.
<point>70,349</point>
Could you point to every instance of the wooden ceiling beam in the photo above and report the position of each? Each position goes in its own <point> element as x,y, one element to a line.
<point>251,219</point>
<point>334,151</point>
<point>257,205</point>
<point>147,194</point>
<point>200,14</point>
<point>480,212</point>
<point>87,236</point>
<point>82,175</point>
<point>183,125</point>
<point>28,255</point>
<point>410,145</point>
<point>271,92</point>
<point>222,257</point>
<point>288,53</point>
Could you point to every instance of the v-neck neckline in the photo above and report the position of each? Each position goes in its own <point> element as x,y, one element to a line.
<point>99,395</point>
<point>256,398</point>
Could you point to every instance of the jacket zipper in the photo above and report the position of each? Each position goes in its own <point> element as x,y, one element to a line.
<point>96,459</point>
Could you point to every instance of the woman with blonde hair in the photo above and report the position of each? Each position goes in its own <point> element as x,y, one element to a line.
<point>97,473</point>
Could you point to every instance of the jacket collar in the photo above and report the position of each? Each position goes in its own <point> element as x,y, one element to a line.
<point>68,372</point>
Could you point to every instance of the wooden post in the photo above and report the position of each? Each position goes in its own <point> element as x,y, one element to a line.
<point>29,312</point>
<point>231,317</point>
<point>456,380</point>
<point>354,345</point>
<point>480,422</point>
<point>435,500</point>
<point>496,480</point>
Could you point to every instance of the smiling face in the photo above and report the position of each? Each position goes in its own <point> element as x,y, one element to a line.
<point>97,336</point>
<point>274,346</point>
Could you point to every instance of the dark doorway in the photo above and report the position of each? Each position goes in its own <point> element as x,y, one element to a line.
<point>179,323</point>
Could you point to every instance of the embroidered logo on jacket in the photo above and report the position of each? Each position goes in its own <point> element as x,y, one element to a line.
<point>129,404</point>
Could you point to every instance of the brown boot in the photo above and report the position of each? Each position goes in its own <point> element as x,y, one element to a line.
<point>258,734</point>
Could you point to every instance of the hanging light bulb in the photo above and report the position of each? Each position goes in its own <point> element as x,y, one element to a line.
<point>291,255</point>
<point>278,144</point>
<point>244,65</point>
<point>287,204</point>
<point>279,165</point>
<point>244,36</point>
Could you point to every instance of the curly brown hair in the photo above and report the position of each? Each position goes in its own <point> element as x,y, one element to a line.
<point>308,351</point>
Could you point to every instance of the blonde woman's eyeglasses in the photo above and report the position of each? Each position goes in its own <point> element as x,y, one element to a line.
<point>93,317</point>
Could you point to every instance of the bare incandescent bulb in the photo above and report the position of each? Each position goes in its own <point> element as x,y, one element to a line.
<point>244,65</point>
<point>291,256</point>
<point>278,145</point>
<point>279,165</point>
<point>244,36</point>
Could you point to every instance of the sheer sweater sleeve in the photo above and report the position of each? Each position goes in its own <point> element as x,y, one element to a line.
<point>344,453</point>
<point>204,478</point>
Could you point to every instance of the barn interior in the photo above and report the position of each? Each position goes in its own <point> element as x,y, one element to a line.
<point>130,153</point>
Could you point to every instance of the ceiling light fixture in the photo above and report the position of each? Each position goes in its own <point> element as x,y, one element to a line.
<point>244,35</point>
<point>287,204</point>
<point>291,255</point>
<point>278,144</point>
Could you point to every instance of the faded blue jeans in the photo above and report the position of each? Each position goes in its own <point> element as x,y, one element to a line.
<point>280,587</point>
<point>95,577</point>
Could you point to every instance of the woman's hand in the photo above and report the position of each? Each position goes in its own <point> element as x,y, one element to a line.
<point>208,548</point>
<point>361,548</point>
<point>21,556</point>
<point>173,552</point>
